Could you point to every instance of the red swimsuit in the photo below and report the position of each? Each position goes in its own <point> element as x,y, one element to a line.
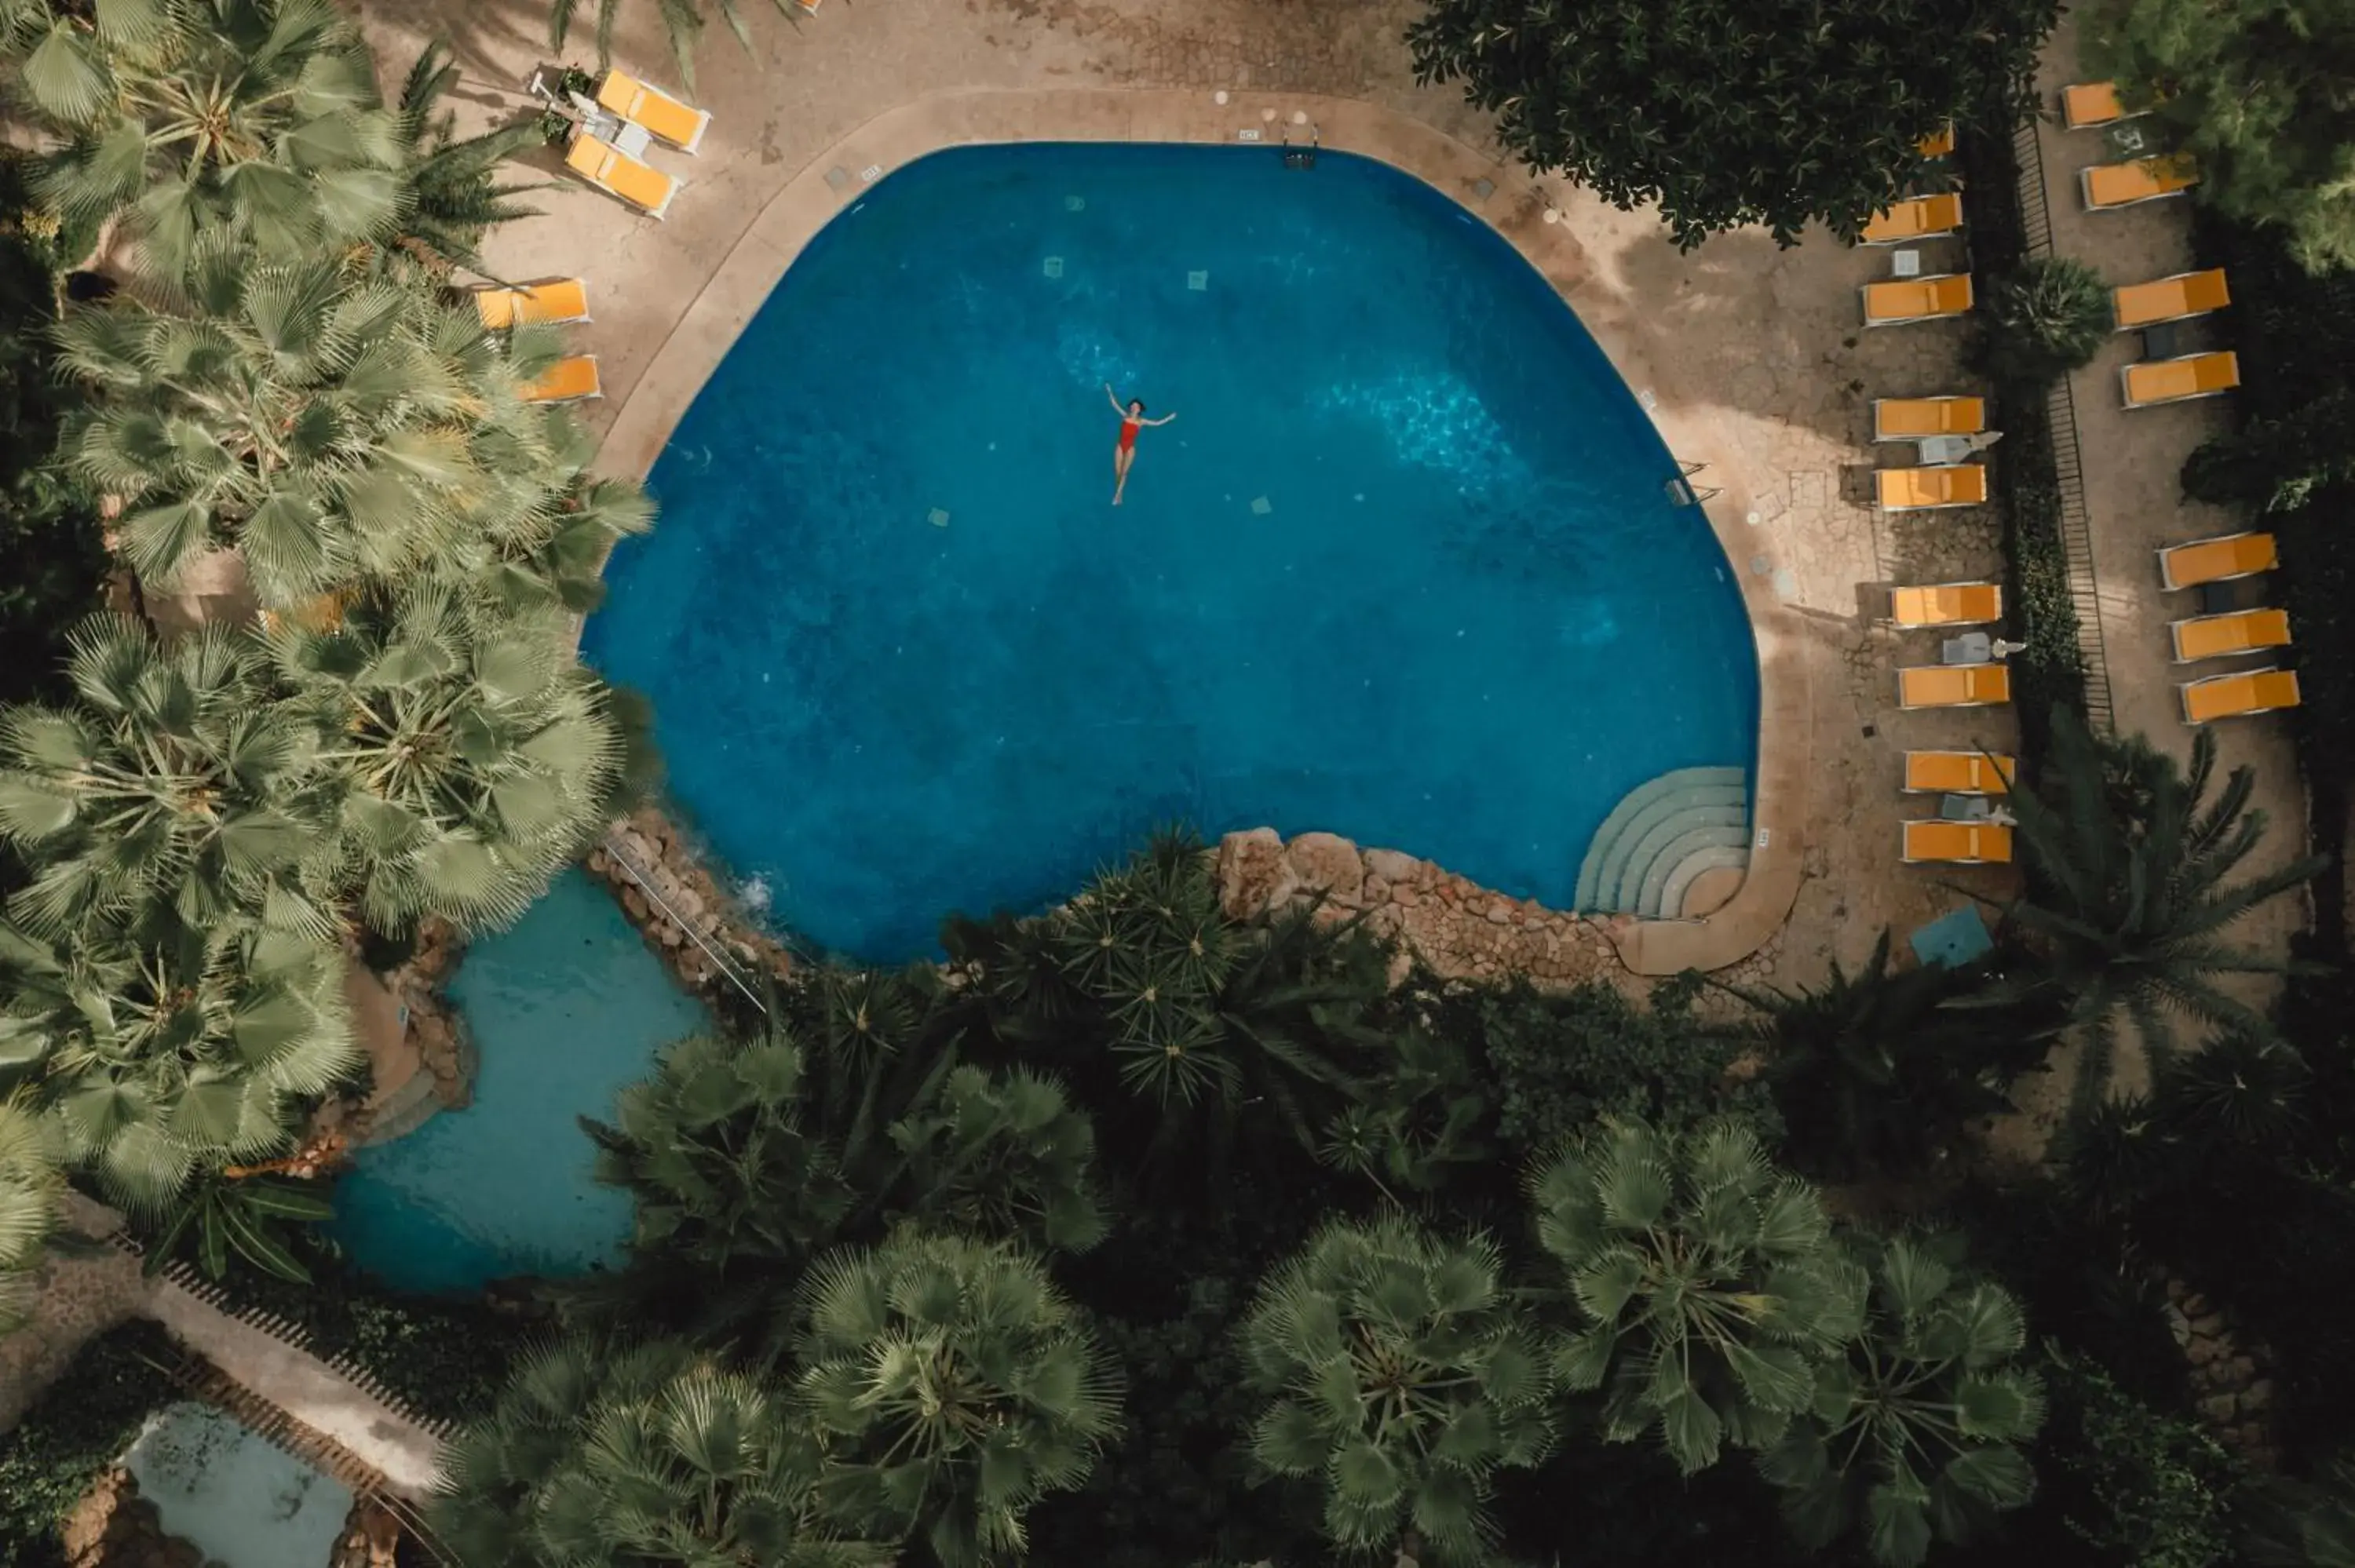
<point>1129,429</point>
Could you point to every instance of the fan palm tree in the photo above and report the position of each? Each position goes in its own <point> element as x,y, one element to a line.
<point>1915,1432</point>
<point>253,117</point>
<point>1402,1378</point>
<point>331,421</point>
<point>1705,1286</point>
<point>652,1454</point>
<point>1872,1073</point>
<point>1001,1155</point>
<point>952,1386</point>
<point>728,1173</point>
<point>30,1184</point>
<point>471,757</point>
<point>165,1048</point>
<point>174,782</point>
<point>2131,890</point>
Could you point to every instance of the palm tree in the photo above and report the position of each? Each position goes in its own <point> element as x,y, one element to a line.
<point>165,1049</point>
<point>2130,892</point>
<point>454,194</point>
<point>30,1187</point>
<point>952,1386</point>
<point>729,1177</point>
<point>683,23</point>
<point>253,117</point>
<point>333,421</point>
<point>1915,1432</point>
<point>1704,1284</point>
<point>1001,1155</point>
<point>1402,1378</point>
<point>651,1453</point>
<point>1872,1073</point>
<point>173,783</point>
<point>472,758</point>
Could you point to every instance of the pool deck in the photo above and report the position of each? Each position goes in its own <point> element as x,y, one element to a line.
<point>1753,358</point>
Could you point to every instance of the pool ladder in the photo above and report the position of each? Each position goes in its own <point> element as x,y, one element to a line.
<point>1303,156</point>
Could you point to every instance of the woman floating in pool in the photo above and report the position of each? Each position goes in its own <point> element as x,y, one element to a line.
<point>1131,420</point>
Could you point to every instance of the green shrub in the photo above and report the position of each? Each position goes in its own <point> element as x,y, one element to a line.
<point>1561,1062</point>
<point>79,1428</point>
<point>2045,318</point>
<point>2142,1488</point>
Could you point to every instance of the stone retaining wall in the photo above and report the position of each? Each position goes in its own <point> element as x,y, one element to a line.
<point>689,911</point>
<point>2231,1379</point>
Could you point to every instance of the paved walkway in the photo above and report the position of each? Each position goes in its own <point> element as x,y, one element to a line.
<point>2132,461</point>
<point>305,1389</point>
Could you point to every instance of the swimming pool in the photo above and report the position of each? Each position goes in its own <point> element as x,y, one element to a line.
<point>565,1008</point>
<point>1405,569</point>
<point>234,1495</point>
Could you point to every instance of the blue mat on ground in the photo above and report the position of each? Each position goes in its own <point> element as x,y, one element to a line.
<point>1955,939</point>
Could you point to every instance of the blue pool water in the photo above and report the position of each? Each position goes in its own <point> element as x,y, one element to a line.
<point>1405,569</point>
<point>565,1008</point>
<point>236,1497</point>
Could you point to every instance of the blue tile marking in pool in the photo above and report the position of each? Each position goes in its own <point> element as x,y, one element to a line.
<point>1405,567</point>
<point>565,1009</point>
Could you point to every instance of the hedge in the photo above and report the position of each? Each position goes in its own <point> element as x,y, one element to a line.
<point>80,1427</point>
<point>2051,670</point>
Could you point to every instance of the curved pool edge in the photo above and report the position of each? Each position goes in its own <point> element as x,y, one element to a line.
<point>1500,195</point>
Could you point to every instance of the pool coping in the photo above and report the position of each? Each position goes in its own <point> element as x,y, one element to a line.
<point>1499,193</point>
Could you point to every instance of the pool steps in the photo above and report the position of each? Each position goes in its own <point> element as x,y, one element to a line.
<point>1661,838</point>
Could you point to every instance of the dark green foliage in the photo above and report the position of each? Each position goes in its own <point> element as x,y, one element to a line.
<point>1400,1380</point>
<point>2132,894</point>
<point>76,1430</point>
<point>2045,318</point>
<point>1874,1074</point>
<point>48,525</point>
<point>444,1358</point>
<point>2302,1523</point>
<point>1915,1434</point>
<point>1561,1062</point>
<point>2255,90</point>
<point>252,1218</point>
<point>1729,112</point>
<point>2137,1486</point>
<point>2276,464</point>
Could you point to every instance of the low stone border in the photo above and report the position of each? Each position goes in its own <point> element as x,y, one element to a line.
<point>689,915</point>
<point>1500,194</point>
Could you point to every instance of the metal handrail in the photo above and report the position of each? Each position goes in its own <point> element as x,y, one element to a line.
<point>628,862</point>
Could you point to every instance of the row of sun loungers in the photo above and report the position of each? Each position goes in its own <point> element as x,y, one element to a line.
<point>556,301</point>
<point>616,172</point>
<point>2228,557</point>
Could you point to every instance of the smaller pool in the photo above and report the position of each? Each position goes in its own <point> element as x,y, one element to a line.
<point>238,1498</point>
<point>565,1009</point>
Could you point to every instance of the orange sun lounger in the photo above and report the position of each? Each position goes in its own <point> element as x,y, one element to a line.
<point>567,381</point>
<point>1958,773</point>
<point>2175,298</point>
<point>1933,840</point>
<point>680,124</point>
<point>2157,381</point>
<point>1895,301</point>
<point>617,173</point>
<point>1953,685</point>
<point>2109,187</point>
<point>1939,484</point>
<point>2219,558</point>
<point>1946,604</point>
<point>1916,218</point>
<point>2234,631</point>
<point>2239,696</point>
<point>1937,144</point>
<point>2089,105</point>
<point>556,303</point>
<point>1913,419</point>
